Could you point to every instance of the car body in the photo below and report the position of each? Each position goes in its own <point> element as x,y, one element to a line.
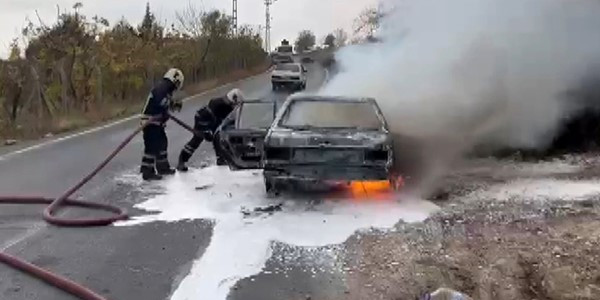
<point>242,134</point>
<point>307,60</point>
<point>318,138</point>
<point>282,59</point>
<point>289,75</point>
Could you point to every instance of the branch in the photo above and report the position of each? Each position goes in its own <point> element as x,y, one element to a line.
<point>208,42</point>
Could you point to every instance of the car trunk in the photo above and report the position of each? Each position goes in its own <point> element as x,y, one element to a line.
<point>331,147</point>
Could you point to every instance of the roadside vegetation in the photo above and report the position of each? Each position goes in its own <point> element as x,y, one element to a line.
<point>81,70</point>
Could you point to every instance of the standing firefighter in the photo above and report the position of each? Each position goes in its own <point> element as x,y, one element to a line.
<point>155,162</point>
<point>206,121</point>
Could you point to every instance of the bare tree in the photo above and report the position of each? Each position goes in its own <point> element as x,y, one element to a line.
<point>190,20</point>
<point>368,22</point>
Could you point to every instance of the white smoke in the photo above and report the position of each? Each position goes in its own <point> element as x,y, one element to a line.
<point>455,74</point>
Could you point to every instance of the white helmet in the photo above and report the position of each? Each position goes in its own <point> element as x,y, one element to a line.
<point>176,77</point>
<point>235,96</point>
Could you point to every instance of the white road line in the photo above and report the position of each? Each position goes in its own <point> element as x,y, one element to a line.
<point>21,237</point>
<point>96,129</point>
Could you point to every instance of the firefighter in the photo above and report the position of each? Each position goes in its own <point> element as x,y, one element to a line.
<point>206,121</point>
<point>155,162</point>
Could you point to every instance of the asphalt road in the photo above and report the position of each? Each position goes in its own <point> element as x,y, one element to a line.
<point>140,262</point>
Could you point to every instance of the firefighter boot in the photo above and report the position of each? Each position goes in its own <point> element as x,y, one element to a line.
<point>151,176</point>
<point>181,167</point>
<point>221,161</point>
<point>162,164</point>
<point>165,170</point>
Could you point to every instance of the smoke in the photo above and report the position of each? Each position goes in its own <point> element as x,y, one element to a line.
<point>452,75</point>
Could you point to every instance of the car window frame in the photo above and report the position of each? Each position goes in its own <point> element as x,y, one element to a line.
<point>240,109</point>
<point>284,110</point>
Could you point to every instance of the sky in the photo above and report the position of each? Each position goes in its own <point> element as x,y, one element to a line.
<point>288,16</point>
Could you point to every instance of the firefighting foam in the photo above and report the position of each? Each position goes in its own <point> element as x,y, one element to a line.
<point>241,243</point>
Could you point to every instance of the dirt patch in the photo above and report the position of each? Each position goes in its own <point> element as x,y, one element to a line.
<point>491,252</point>
<point>488,249</point>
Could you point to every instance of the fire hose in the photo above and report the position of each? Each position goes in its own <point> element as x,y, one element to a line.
<point>56,204</point>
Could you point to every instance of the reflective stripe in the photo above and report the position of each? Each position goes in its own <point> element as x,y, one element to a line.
<point>188,151</point>
<point>149,156</point>
<point>163,153</point>
<point>147,117</point>
<point>148,165</point>
<point>162,161</point>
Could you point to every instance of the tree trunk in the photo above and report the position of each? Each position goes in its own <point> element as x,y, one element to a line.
<point>37,99</point>
<point>15,103</point>
<point>64,83</point>
<point>99,84</point>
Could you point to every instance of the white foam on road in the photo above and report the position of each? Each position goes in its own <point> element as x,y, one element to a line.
<point>540,189</point>
<point>240,246</point>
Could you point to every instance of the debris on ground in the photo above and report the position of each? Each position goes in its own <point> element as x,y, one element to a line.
<point>270,209</point>
<point>10,142</point>
<point>49,135</point>
<point>204,187</point>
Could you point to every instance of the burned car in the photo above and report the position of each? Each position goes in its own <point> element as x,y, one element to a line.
<point>319,139</point>
<point>241,136</point>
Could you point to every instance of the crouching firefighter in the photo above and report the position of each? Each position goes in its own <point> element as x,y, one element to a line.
<point>155,162</point>
<point>206,121</point>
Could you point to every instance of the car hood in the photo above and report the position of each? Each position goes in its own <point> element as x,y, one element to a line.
<point>327,138</point>
<point>285,73</point>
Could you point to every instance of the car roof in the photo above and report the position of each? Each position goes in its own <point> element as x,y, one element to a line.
<point>262,100</point>
<point>291,64</point>
<point>330,98</point>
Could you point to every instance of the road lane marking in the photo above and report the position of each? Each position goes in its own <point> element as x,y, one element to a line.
<point>21,237</point>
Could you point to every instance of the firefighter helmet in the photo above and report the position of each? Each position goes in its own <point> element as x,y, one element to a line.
<point>176,77</point>
<point>235,96</point>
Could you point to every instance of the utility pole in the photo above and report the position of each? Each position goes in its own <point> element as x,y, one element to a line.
<point>235,17</point>
<point>268,4</point>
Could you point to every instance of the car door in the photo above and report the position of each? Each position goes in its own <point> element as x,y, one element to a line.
<point>242,142</point>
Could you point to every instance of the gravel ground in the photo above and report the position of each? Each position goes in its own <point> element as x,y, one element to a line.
<point>508,229</point>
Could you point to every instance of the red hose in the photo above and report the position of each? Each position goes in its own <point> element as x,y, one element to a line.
<point>54,205</point>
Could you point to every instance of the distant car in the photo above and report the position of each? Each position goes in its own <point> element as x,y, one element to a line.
<point>282,59</point>
<point>289,75</point>
<point>242,134</point>
<point>318,139</point>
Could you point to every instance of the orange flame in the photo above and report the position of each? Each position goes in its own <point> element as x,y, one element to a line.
<point>372,190</point>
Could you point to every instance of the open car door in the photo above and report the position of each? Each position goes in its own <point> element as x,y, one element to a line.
<point>242,134</point>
